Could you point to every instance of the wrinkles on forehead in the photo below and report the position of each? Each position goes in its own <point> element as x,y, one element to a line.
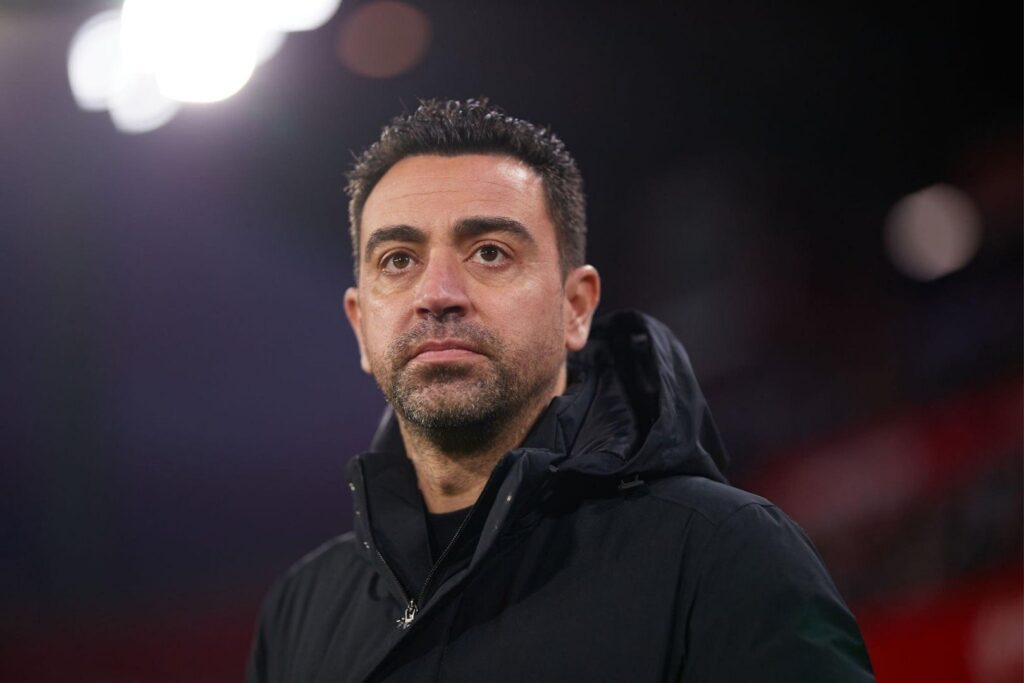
<point>433,193</point>
<point>458,186</point>
<point>415,187</point>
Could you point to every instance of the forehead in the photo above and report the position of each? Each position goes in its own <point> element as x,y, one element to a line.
<point>433,192</point>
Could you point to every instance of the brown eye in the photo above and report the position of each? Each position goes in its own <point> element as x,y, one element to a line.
<point>490,254</point>
<point>396,262</point>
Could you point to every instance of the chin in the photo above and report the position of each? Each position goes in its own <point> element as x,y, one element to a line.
<point>457,404</point>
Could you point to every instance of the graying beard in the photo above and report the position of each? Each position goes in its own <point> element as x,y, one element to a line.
<point>462,428</point>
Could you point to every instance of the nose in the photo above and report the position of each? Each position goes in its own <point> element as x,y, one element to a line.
<point>441,292</point>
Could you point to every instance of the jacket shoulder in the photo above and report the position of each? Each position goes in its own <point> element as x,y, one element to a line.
<point>314,573</point>
<point>309,575</point>
<point>714,501</point>
<point>299,597</point>
<point>326,557</point>
<point>760,602</point>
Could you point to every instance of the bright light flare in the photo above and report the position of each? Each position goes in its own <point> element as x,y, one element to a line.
<point>269,44</point>
<point>199,50</point>
<point>933,232</point>
<point>142,61</point>
<point>101,79</point>
<point>294,15</point>
<point>138,106</point>
<point>94,60</point>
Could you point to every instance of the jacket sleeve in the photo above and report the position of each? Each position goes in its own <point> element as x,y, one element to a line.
<point>765,608</point>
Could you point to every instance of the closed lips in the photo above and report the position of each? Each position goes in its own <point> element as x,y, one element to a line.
<point>444,348</point>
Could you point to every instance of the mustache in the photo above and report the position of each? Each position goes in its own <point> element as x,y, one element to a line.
<point>471,333</point>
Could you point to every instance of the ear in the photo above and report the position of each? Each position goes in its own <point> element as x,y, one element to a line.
<point>355,320</point>
<point>582,294</point>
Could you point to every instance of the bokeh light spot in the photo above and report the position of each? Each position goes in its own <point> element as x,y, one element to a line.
<point>296,15</point>
<point>268,45</point>
<point>138,106</point>
<point>933,232</point>
<point>94,60</point>
<point>138,60</point>
<point>384,39</point>
<point>200,50</point>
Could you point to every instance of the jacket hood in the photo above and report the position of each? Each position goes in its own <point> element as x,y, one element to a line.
<point>633,408</point>
<point>632,412</point>
<point>647,416</point>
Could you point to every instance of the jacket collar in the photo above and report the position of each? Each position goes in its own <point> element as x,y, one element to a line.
<point>390,512</point>
<point>633,409</point>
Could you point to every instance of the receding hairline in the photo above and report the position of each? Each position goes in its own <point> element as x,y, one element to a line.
<point>496,154</point>
<point>452,128</point>
<point>357,214</point>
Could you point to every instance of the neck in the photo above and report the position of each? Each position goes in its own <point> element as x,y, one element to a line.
<point>451,472</point>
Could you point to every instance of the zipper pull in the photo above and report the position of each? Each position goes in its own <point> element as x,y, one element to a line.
<point>405,621</point>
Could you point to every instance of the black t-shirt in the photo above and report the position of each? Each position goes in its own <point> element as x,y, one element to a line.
<point>441,528</point>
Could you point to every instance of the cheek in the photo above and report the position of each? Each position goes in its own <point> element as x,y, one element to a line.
<point>378,324</point>
<point>538,323</point>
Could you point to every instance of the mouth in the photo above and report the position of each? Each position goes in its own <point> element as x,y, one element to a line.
<point>444,350</point>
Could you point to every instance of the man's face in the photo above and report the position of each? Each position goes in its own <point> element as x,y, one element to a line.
<point>460,310</point>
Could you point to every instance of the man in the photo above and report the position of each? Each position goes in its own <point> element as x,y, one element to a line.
<point>545,501</point>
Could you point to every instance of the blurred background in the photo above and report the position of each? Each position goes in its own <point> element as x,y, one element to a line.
<point>824,203</point>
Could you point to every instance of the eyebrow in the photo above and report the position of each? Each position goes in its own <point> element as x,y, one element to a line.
<point>393,233</point>
<point>466,228</point>
<point>475,226</point>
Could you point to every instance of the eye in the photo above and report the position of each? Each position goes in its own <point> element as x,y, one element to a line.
<point>396,262</point>
<point>491,255</point>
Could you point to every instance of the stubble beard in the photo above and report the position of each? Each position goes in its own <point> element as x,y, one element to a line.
<point>461,406</point>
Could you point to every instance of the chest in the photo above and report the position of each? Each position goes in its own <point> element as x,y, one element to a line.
<point>585,600</point>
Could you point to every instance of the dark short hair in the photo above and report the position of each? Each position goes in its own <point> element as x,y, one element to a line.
<point>452,128</point>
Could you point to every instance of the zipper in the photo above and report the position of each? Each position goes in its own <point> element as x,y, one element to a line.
<point>410,608</point>
<point>410,605</point>
<point>413,606</point>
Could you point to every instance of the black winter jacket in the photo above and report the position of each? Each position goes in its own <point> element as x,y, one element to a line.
<point>608,547</point>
